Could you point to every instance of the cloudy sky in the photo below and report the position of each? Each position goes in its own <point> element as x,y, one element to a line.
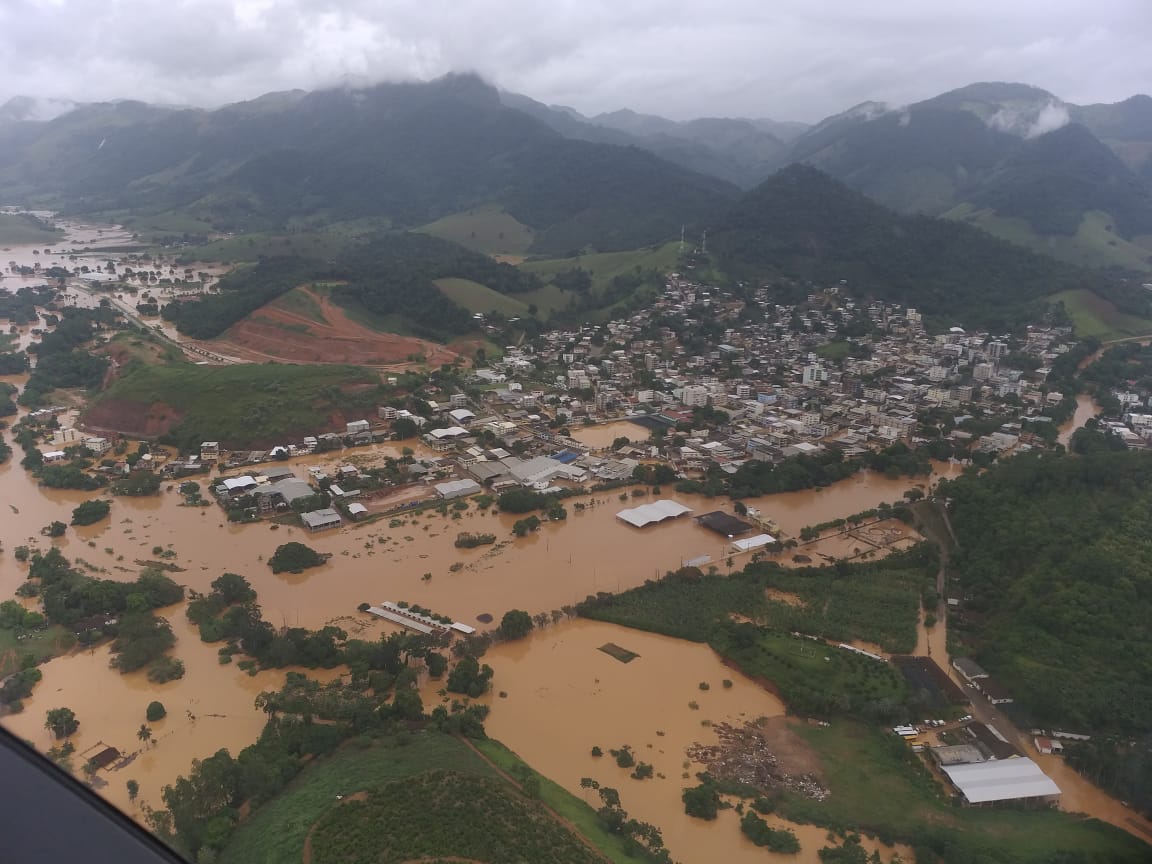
<point>786,59</point>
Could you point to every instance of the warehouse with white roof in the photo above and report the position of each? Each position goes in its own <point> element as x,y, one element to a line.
<point>1018,779</point>
<point>649,514</point>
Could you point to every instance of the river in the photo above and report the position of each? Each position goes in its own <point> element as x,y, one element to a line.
<point>1086,408</point>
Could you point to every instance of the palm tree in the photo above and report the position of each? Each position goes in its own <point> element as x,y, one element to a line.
<point>145,733</point>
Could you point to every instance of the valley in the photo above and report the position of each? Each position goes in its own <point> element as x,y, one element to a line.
<point>427,472</point>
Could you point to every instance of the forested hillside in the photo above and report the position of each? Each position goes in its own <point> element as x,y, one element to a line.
<point>803,224</point>
<point>1053,565</point>
<point>387,275</point>
<point>404,153</point>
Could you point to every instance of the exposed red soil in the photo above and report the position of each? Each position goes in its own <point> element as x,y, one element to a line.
<point>272,333</point>
<point>132,418</point>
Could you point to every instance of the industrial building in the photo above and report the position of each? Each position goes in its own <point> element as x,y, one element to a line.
<point>1018,779</point>
<point>649,514</point>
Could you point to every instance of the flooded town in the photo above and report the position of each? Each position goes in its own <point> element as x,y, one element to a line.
<point>705,433</point>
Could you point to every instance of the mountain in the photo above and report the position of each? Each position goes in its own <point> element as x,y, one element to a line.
<point>740,151</point>
<point>1010,158</point>
<point>1126,127</point>
<point>405,153</point>
<point>801,224</point>
<point>21,109</point>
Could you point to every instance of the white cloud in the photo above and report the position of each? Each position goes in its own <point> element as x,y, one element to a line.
<point>785,58</point>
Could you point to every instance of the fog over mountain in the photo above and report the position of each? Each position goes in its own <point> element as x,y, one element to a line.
<point>788,60</point>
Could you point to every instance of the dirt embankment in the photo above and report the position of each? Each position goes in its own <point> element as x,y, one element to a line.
<point>134,419</point>
<point>274,333</point>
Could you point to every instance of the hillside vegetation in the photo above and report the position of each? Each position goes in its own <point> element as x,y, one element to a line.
<point>441,814</point>
<point>404,153</point>
<point>802,224</point>
<point>1052,561</point>
<point>242,405</point>
<point>388,275</point>
<point>24,228</point>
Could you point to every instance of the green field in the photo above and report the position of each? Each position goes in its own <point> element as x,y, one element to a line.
<point>441,814</point>
<point>880,787</point>
<point>250,404</point>
<point>20,230</point>
<point>299,302</point>
<point>479,298</point>
<point>42,644</point>
<point>562,802</point>
<point>1093,245</point>
<point>603,267</point>
<point>276,831</point>
<point>251,247</point>
<point>1092,315</point>
<point>485,229</point>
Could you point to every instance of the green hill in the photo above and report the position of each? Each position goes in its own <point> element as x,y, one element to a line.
<point>1007,158</point>
<point>801,224</point>
<point>409,153</point>
<point>484,229</point>
<point>185,404</point>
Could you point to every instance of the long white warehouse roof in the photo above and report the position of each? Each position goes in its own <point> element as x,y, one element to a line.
<point>1001,780</point>
<point>657,511</point>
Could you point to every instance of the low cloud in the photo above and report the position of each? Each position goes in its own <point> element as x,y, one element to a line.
<point>789,59</point>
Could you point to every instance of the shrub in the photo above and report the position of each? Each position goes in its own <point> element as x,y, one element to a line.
<point>156,711</point>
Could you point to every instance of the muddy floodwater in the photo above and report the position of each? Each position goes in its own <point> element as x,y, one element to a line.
<point>604,434</point>
<point>565,696</point>
<point>1086,408</point>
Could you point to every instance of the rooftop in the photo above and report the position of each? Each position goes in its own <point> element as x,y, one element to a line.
<point>1001,780</point>
<point>657,511</point>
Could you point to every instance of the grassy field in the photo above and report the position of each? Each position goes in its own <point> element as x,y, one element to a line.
<point>602,266</point>
<point>19,230</point>
<point>485,229</point>
<point>562,802</point>
<point>1092,315</point>
<point>1093,245</point>
<point>300,302</point>
<point>276,831</point>
<point>42,644</point>
<point>879,786</point>
<point>479,298</point>
<point>251,247</point>
<point>834,350</point>
<point>246,403</point>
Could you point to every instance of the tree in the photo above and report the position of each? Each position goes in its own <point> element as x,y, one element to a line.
<point>133,789</point>
<point>61,722</point>
<point>156,711</point>
<point>701,802</point>
<point>516,624</point>
<point>144,733</point>
<point>294,558</point>
<point>91,512</point>
<point>55,529</point>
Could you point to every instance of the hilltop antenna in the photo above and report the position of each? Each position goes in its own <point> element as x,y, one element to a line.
<point>704,245</point>
<point>681,239</point>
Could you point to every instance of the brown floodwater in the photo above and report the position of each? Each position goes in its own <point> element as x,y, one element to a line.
<point>604,434</point>
<point>601,701</point>
<point>211,707</point>
<point>1078,795</point>
<point>1086,408</point>
<point>564,697</point>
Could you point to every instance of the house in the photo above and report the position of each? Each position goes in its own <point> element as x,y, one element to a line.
<point>355,427</point>
<point>209,451</point>
<point>54,456</point>
<point>321,520</point>
<point>281,493</point>
<point>357,511</point>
